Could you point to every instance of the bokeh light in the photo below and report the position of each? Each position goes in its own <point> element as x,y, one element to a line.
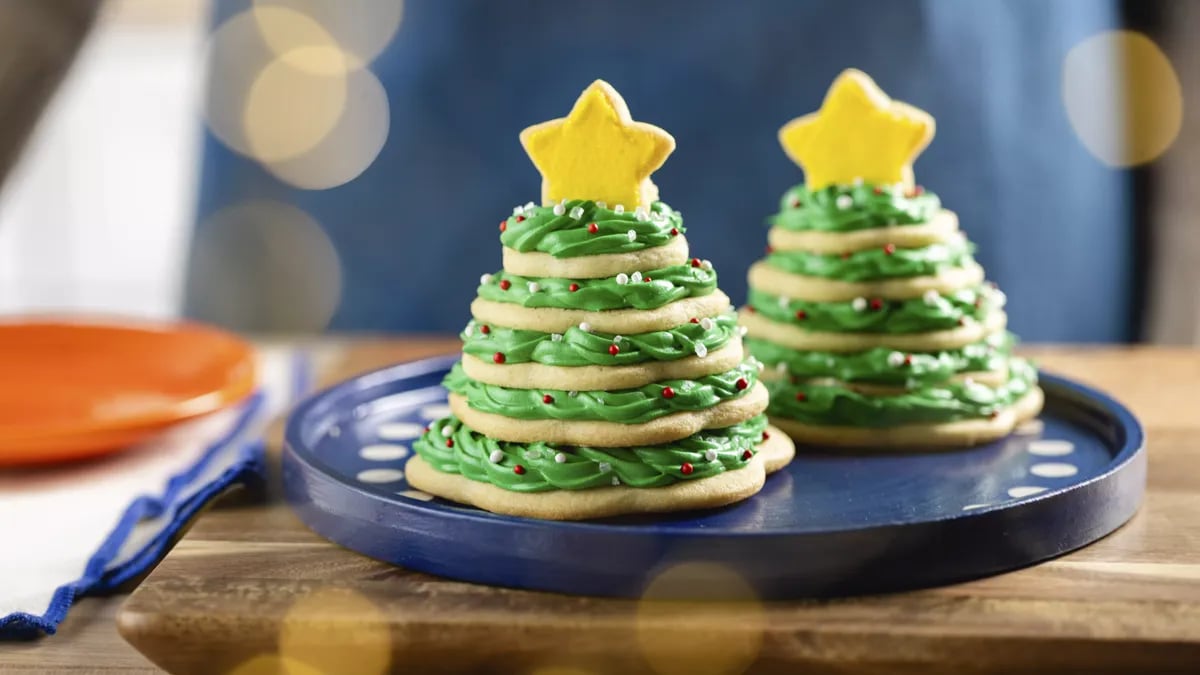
<point>1122,97</point>
<point>289,110</point>
<point>337,630</point>
<point>362,28</point>
<point>719,634</point>
<point>265,266</point>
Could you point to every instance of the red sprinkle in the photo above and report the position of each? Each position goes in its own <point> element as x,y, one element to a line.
<point>878,190</point>
<point>686,468</point>
<point>668,392</point>
<point>766,435</point>
<point>876,304</point>
<point>485,329</point>
<point>547,399</point>
<point>889,249</point>
<point>918,191</point>
<point>505,284</point>
<point>498,357</point>
<point>770,249</point>
<point>801,314</point>
<point>593,228</point>
<point>674,231</point>
<point>962,321</point>
<point>741,383</point>
<point>519,470</point>
<point>449,442</point>
<point>994,414</point>
<point>908,359</point>
<point>613,349</point>
<point>427,427</point>
<point>750,308</point>
<point>801,396</point>
<point>503,226</point>
<point>520,218</point>
<point>647,279</point>
<point>845,255</point>
<point>573,287</point>
<point>795,203</point>
<point>695,262</point>
<point>747,454</point>
<point>694,320</point>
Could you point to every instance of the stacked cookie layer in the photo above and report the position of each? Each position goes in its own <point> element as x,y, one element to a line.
<point>602,373</point>
<point>877,327</point>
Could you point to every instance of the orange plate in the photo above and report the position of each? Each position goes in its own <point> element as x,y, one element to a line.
<point>76,389</point>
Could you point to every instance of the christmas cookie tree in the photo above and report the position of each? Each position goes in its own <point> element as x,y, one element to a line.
<point>603,371</point>
<point>873,319</point>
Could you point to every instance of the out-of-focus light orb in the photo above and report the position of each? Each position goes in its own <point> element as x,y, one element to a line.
<point>720,634</point>
<point>264,266</point>
<point>271,664</point>
<point>289,110</point>
<point>1122,97</point>
<point>350,146</point>
<point>337,630</point>
<point>362,28</point>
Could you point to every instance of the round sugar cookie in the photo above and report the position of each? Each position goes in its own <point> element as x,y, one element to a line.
<point>768,279</point>
<point>940,229</point>
<point>794,337</point>
<point>538,264</point>
<point>618,321</point>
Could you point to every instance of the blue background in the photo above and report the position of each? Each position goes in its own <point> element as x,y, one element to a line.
<point>414,232</point>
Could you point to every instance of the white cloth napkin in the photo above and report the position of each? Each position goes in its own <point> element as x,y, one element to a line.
<point>86,527</point>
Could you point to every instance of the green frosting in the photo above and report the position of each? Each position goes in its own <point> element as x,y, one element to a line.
<point>878,366</point>
<point>626,406</point>
<point>483,459</point>
<point>869,206</point>
<point>538,228</point>
<point>875,263</point>
<point>646,290</point>
<point>839,406</point>
<point>918,315</point>
<point>579,348</point>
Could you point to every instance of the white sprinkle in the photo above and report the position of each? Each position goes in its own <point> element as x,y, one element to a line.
<point>559,209</point>
<point>585,326</point>
<point>622,279</point>
<point>518,210</point>
<point>616,481</point>
<point>636,277</point>
<point>619,208</point>
<point>602,205</point>
<point>534,287</point>
<point>496,457</point>
<point>556,337</point>
<point>859,304</point>
<point>469,329</point>
<point>742,330</point>
<point>701,350</point>
<point>632,234</point>
<point>783,302</point>
<point>706,264</point>
<point>572,393</point>
<point>844,202</point>
<point>529,206</point>
<point>710,454</point>
<point>577,212</point>
<point>485,279</point>
<point>533,454</point>
<point>999,299</point>
<point>931,297</point>
<point>560,458</point>
<point>895,359</point>
<point>616,339</point>
<point>605,467</point>
<point>706,323</point>
<point>759,364</point>
<point>640,214</point>
<point>858,181</point>
<point>447,430</point>
<point>781,368</point>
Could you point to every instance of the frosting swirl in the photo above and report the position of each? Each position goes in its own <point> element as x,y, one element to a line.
<point>575,347</point>
<point>844,208</point>
<point>641,290</point>
<point>836,405</point>
<point>569,235</point>
<point>550,467</point>
<point>625,406</point>
<point>918,315</point>
<point>875,263</point>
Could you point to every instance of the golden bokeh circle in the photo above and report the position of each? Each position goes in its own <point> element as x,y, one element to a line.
<point>337,630</point>
<point>1122,97</point>
<point>264,266</point>
<point>289,109</point>
<point>361,28</point>
<point>720,634</point>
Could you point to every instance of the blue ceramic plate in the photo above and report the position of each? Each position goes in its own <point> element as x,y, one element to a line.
<point>832,523</point>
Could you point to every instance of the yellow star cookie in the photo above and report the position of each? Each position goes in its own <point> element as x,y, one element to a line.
<point>859,133</point>
<point>598,152</point>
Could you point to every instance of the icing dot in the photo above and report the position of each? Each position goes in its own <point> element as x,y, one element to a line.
<point>380,475</point>
<point>529,206</point>
<point>334,432</point>
<point>710,454</point>
<point>559,209</point>
<point>398,431</point>
<point>560,458</point>
<point>1054,469</point>
<point>534,287</point>
<point>605,467</point>
<point>858,181</point>
<point>766,435</point>
<point>622,279</point>
<point>577,212</point>
<point>859,304</point>
<point>999,299</point>
<point>619,208</point>
<point>895,359</point>
<point>636,277</point>
<point>706,323</point>
<point>520,219</point>
<point>496,457</point>
<point>485,279</point>
<point>931,297</point>
<point>383,452</point>
<point>556,337</point>
<point>632,234</point>
<point>585,326</point>
<point>844,202</point>
<point>1051,448</point>
<point>1024,491</point>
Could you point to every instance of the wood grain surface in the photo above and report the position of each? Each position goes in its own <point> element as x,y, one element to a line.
<point>250,590</point>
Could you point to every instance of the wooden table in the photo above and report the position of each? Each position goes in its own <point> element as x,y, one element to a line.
<point>249,588</point>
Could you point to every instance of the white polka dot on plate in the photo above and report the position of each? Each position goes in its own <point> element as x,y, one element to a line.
<point>1030,428</point>
<point>382,452</point>
<point>972,507</point>
<point>380,475</point>
<point>1053,469</point>
<point>1047,448</point>
<point>416,494</point>
<point>436,411</point>
<point>1024,491</point>
<point>400,431</point>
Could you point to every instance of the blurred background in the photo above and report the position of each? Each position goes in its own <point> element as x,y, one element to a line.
<point>285,166</point>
